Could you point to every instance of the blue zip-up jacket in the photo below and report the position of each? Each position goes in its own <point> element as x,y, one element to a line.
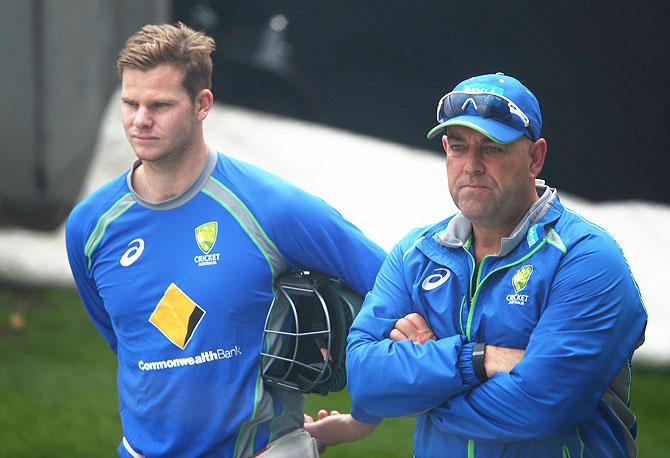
<point>560,288</point>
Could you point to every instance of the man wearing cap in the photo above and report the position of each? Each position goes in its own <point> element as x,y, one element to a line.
<point>508,328</point>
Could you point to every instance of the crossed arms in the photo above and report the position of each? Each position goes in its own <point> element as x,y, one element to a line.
<point>587,331</point>
<point>496,359</point>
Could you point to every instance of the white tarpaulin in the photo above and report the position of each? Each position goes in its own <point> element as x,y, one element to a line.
<point>384,188</point>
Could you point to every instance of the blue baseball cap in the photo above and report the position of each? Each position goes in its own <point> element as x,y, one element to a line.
<point>510,112</point>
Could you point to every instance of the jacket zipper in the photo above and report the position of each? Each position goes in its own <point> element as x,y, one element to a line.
<point>565,452</point>
<point>473,299</point>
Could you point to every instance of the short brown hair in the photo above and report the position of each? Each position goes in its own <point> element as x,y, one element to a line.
<point>174,44</point>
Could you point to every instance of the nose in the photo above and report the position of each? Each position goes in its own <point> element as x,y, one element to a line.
<point>142,118</point>
<point>472,162</point>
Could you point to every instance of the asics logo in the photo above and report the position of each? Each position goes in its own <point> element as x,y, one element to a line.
<point>134,252</point>
<point>433,281</point>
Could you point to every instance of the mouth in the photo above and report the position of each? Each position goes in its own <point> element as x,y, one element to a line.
<point>144,138</point>
<point>473,186</point>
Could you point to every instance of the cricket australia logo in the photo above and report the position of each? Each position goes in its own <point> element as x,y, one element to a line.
<point>519,282</point>
<point>205,237</point>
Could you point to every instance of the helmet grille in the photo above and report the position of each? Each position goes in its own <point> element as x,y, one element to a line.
<point>305,333</point>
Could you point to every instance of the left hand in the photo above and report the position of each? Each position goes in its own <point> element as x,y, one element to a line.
<point>412,327</point>
<point>335,428</point>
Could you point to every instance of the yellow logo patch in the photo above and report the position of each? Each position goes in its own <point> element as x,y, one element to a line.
<point>521,277</point>
<point>205,236</point>
<point>177,316</point>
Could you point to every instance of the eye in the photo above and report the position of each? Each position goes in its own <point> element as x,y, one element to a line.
<point>493,150</point>
<point>130,103</point>
<point>456,149</point>
<point>160,105</point>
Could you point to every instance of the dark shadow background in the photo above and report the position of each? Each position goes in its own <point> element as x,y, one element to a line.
<point>379,67</point>
<point>373,67</point>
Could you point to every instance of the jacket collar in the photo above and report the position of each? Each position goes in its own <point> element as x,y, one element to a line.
<point>458,230</point>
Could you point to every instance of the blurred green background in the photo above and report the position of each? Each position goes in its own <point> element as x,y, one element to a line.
<point>58,388</point>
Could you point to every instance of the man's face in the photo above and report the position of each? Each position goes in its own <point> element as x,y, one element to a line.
<point>492,184</point>
<point>159,116</point>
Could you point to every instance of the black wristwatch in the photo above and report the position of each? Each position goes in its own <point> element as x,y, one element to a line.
<point>478,361</point>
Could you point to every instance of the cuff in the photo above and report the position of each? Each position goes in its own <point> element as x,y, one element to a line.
<point>363,417</point>
<point>465,366</point>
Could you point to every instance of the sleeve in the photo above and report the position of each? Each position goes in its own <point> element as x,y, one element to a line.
<point>314,235</point>
<point>392,379</point>
<point>593,321</point>
<point>75,242</point>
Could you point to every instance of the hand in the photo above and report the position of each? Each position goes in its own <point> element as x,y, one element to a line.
<point>321,415</point>
<point>501,359</point>
<point>412,327</point>
<point>335,428</point>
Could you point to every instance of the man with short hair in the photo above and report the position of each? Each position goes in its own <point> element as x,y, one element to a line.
<point>509,327</point>
<point>175,262</point>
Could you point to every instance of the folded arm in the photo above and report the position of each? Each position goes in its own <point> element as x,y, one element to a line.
<point>388,378</point>
<point>593,319</point>
<point>495,359</point>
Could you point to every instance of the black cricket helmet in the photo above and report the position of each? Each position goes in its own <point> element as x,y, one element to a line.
<point>305,332</point>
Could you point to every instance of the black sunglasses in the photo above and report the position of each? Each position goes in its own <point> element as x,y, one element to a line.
<point>488,105</point>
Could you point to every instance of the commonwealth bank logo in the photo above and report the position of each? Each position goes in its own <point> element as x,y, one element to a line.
<point>177,316</point>
<point>205,236</point>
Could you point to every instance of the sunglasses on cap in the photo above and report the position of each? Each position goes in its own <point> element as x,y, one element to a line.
<point>488,105</point>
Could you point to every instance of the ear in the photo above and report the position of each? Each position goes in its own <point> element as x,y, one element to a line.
<point>538,152</point>
<point>203,103</point>
<point>445,142</point>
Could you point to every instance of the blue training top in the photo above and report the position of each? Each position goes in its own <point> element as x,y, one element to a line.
<point>180,291</point>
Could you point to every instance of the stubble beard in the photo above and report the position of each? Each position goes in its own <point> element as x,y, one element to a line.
<point>166,157</point>
<point>495,211</point>
<point>476,209</point>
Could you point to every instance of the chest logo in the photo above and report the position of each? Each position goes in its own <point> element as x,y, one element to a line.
<point>434,280</point>
<point>133,253</point>
<point>205,236</point>
<point>521,277</point>
<point>519,282</point>
<point>177,316</point>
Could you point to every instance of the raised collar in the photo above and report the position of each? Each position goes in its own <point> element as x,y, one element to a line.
<point>458,231</point>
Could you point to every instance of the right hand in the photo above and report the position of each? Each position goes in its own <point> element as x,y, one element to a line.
<point>412,327</point>
<point>335,428</point>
